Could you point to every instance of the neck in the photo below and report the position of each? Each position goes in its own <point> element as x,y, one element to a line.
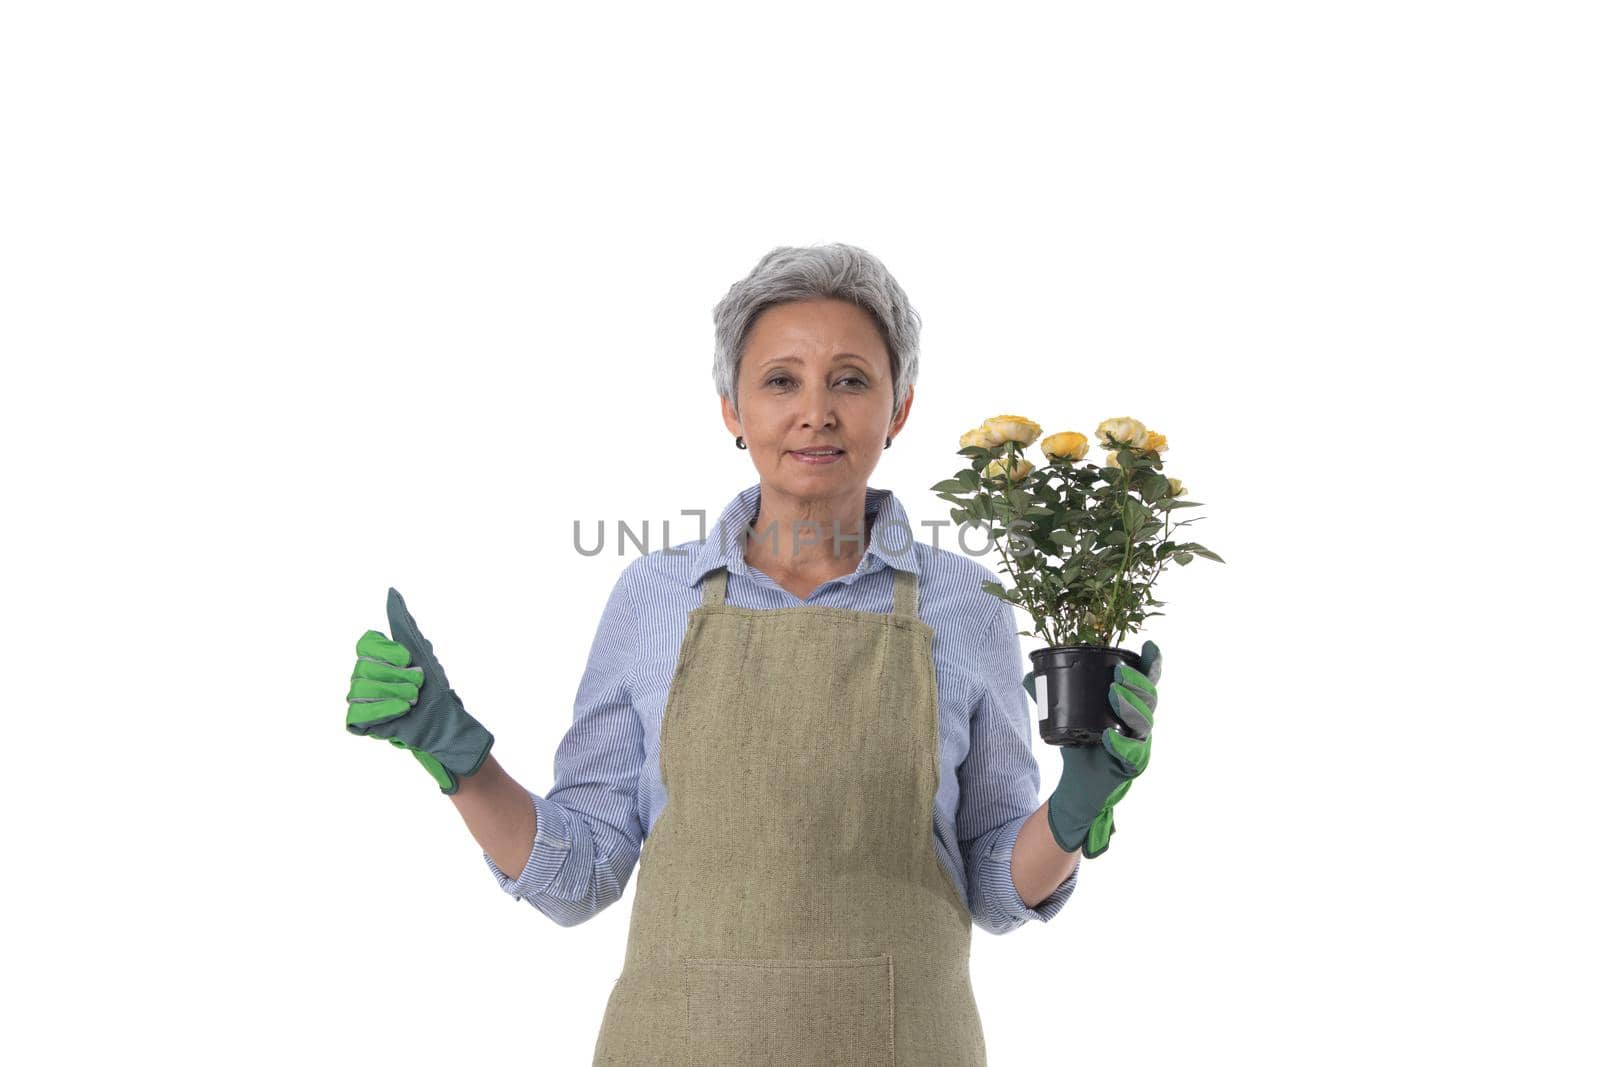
<point>811,535</point>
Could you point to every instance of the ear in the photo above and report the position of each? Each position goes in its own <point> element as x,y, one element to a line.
<point>729,419</point>
<point>905,410</point>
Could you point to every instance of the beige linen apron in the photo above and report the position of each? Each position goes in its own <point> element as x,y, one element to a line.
<point>790,908</point>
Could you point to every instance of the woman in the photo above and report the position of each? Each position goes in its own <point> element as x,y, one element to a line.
<point>834,709</point>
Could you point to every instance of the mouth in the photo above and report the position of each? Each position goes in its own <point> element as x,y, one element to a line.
<point>813,456</point>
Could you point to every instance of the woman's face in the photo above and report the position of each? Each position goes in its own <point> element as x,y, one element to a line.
<point>815,373</point>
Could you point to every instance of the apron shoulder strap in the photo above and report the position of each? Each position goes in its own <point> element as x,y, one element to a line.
<point>715,587</point>
<point>905,593</point>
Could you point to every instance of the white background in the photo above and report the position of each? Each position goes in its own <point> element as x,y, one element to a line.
<point>304,300</point>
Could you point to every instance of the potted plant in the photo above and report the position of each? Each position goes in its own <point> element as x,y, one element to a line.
<point>1083,545</point>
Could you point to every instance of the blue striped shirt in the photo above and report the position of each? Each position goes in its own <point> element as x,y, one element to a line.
<point>608,790</point>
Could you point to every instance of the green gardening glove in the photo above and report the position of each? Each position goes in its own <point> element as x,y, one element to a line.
<point>413,707</point>
<point>1095,777</point>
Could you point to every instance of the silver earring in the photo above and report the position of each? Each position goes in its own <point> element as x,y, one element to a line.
<point>887,441</point>
<point>739,443</point>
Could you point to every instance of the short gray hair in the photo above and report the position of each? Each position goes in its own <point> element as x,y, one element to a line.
<point>837,271</point>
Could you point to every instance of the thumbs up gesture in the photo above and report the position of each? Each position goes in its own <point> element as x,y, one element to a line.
<point>399,693</point>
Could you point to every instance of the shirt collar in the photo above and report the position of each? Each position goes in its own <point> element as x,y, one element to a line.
<point>889,541</point>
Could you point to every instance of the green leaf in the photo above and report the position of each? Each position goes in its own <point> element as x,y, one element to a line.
<point>949,485</point>
<point>1183,558</point>
<point>1200,550</point>
<point>1154,487</point>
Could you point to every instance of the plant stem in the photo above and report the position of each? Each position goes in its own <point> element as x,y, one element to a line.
<point>1030,603</point>
<point>1166,532</point>
<point>1114,612</point>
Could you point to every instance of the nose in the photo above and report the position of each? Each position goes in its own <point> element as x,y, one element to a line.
<point>818,407</point>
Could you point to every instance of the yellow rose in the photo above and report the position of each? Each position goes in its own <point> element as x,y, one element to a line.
<point>1154,442</point>
<point>1111,460</point>
<point>982,437</point>
<point>1065,445</point>
<point>997,467</point>
<point>1177,488</point>
<point>1013,428</point>
<point>1126,430</point>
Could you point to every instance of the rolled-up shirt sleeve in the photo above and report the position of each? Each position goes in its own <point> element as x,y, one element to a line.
<point>1000,783</point>
<point>588,835</point>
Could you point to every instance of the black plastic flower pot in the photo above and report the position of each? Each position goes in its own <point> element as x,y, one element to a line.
<point>1074,699</point>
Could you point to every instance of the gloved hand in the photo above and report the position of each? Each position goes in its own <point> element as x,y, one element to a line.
<point>1095,777</point>
<point>413,707</point>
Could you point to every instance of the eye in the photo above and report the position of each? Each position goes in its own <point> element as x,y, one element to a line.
<point>780,380</point>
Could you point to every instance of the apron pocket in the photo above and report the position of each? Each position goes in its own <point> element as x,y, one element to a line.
<point>838,1013</point>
